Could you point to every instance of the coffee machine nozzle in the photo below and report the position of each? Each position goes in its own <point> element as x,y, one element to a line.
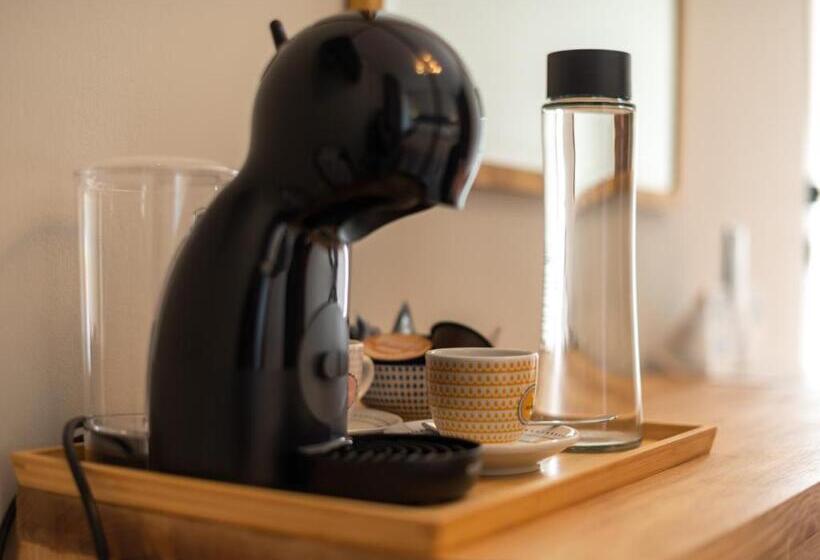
<point>359,120</point>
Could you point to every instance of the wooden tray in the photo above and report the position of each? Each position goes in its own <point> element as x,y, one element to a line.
<point>492,505</point>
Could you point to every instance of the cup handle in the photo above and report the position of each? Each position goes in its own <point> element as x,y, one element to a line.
<point>558,422</point>
<point>352,390</point>
<point>521,401</point>
<point>368,373</point>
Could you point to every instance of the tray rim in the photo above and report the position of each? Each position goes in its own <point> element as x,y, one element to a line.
<point>425,530</point>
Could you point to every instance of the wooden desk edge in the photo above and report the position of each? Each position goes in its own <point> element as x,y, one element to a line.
<point>789,530</point>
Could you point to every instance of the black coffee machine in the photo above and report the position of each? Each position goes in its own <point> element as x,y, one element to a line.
<point>359,120</point>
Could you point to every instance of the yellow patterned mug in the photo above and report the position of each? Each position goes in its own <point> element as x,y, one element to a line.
<point>475,393</point>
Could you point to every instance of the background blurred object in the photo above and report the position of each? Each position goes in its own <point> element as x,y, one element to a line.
<point>719,337</point>
<point>810,339</point>
<point>404,320</point>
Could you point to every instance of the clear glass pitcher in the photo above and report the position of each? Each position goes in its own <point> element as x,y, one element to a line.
<point>589,368</point>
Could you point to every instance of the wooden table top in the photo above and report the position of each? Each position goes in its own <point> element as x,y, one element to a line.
<point>757,495</point>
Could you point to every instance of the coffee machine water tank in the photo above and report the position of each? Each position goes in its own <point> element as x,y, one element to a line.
<point>359,120</point>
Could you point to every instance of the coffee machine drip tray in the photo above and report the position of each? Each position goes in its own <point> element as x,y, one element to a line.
<point>411,469</point>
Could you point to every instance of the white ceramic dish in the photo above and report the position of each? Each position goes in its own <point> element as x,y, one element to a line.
<point>518,457</point>
<point>362,420</point>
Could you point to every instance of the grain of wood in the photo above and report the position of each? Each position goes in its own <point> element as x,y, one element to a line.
<point>754,496</point>
<point>766,455</point>
<point>778,533</point>
<point>55,527</point>
<point>493,505</point>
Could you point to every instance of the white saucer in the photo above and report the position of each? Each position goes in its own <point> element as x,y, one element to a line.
<point>523,456</point>
<point>500,459</point>
<point>362,420</point>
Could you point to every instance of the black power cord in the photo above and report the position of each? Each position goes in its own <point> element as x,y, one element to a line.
<point>90,506</point>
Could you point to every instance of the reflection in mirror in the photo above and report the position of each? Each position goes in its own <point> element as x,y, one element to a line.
<point>505,45</point>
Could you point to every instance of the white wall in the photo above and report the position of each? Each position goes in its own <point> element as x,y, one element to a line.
<point>82,81</point>
<point>744,82</point>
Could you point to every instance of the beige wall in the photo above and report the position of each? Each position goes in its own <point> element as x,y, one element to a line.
<point>744,82</point>
<point>81,81</point>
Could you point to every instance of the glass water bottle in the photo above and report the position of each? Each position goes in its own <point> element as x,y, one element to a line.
<point>589,373</point>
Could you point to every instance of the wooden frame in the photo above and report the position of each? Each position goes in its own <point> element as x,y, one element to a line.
<point>365,5</point>
<point>512,180</point>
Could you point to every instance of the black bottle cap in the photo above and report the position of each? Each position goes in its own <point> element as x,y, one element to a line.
<point>589,72</point>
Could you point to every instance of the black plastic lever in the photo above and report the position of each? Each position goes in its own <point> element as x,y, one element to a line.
<point>278,32</point>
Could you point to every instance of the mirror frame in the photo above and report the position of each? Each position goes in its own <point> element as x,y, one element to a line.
<point>511,180</point>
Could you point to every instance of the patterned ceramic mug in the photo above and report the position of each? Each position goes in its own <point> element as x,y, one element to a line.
<point>475,393</point>
<point>399,384</point>
<point>400,388</point>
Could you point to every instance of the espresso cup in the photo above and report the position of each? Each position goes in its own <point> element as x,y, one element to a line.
<point>476,393</point>
<point>360,371</point>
